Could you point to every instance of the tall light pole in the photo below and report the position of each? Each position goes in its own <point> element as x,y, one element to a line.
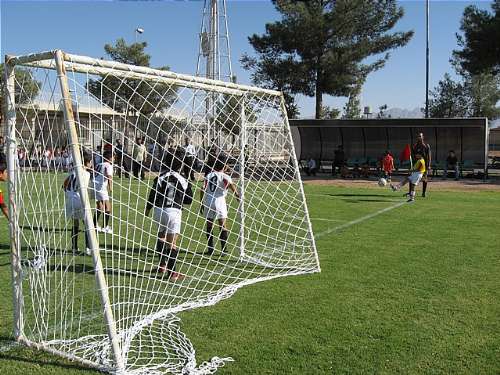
<point>427,59</point>
<point>139,30</point>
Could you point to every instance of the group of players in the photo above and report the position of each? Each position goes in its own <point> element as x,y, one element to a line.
<point>169,193</point>
<point>419,171</point>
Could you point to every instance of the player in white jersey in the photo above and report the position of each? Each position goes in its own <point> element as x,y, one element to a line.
<point>74,209</point>
<point>213,203</point>
<point>103,186</point>
<point>170,191</point>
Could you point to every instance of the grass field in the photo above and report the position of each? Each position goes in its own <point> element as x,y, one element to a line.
<point>403,289</point>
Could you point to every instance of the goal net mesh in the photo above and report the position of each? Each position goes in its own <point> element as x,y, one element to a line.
<point>114,105</point>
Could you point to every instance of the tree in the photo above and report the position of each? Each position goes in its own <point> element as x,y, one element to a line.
<point>483,91</point>
<point>352,108</point>
<point>480,41</point>
<point>26,87</point>
<point>329,113</point>
<point>228,113</point>
<point>267,76</point>
<point>321,46</point>
<point>475,96</point>
<point>132,96</point>
<point>448,99</point>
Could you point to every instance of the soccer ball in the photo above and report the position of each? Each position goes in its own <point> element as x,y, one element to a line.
<point>382,182</point>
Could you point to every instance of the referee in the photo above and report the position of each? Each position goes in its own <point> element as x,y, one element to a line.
<point>423,149</point>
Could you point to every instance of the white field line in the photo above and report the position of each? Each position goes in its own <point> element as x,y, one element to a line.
<point>323,219</point>
<point>357,221</point>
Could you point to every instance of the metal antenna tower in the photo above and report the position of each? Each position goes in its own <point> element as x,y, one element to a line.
<point>214,55</point>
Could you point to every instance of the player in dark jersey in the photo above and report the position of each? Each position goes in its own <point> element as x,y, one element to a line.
<point>423,149</point>
<point>170,191</point>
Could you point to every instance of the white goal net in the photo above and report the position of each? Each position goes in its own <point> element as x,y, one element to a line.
<point>136,194</point>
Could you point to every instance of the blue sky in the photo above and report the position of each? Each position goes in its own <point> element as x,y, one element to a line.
<point>172,27</point>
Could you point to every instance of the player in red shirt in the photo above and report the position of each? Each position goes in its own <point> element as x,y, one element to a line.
<point>387,165</point>
<point>3,177</point>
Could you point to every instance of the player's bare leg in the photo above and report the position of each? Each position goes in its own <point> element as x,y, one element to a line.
<point>74,235</point>
<point>99,208</point>
<point>412,193</point>
<point>424,184</point>
<point>171,256</point>
<point>400,185</point>
<point>210,236</point>
<point>223,235</point>
<point>107,216</point>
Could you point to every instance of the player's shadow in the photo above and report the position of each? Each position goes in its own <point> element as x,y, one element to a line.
<point>43,229</point>
<point>367,200</point>
<point>357,195</point>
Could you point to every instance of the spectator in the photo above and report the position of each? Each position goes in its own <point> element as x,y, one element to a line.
<point>339,160</point>
<point>356,171</point>
<point>189,159</point>
<point>119,158</point>
<point>345,172</point>
<point>138,155</point>
<point>213,154</point>
<point>387,165</point>
<point>3,149</point>
<point>311,167</point>
<point>451,163</point>
<point>365,170</point>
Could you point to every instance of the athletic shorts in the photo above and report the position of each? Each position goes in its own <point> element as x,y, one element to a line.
<point>168,219</point>
<point>415,178</point>
<point>101,195</point>
<point>217,209</point>
<point>73,208</point>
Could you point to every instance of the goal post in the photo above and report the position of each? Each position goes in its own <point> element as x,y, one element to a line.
<point>13,214</point>
<point>78,168</point>
<point>112,240</point>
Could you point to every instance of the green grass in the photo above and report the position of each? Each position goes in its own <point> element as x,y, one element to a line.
<point>413,290</point>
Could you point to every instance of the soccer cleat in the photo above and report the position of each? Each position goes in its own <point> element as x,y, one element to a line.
<point>88,251</point>
<point>162,269</point>
<point>394,188</point>
<point>208,252</point>
<point>411,200</point>
<point>108,230</point>
<point>98,228</point>
<point>176,276</point>
<point>406,195</point>
<point>423,195</point>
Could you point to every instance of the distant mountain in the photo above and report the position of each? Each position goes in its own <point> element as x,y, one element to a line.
<point>404,113</point>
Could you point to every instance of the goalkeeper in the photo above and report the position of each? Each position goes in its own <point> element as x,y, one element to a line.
<point>213,203</point>
<point>74,209</point>
<point>170,191</point>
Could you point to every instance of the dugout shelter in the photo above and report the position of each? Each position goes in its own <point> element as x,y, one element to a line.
<point>365,140</point>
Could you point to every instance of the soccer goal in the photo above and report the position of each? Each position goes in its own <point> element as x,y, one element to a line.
<point>96,279</point>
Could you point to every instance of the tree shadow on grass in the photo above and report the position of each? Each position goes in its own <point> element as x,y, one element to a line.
<point>31,357</point>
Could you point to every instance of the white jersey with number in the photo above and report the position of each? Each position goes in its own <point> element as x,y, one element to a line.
<point>73,205</point>
<point>102,171</point>
<point>215,188</point>
<point>216,185</point>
